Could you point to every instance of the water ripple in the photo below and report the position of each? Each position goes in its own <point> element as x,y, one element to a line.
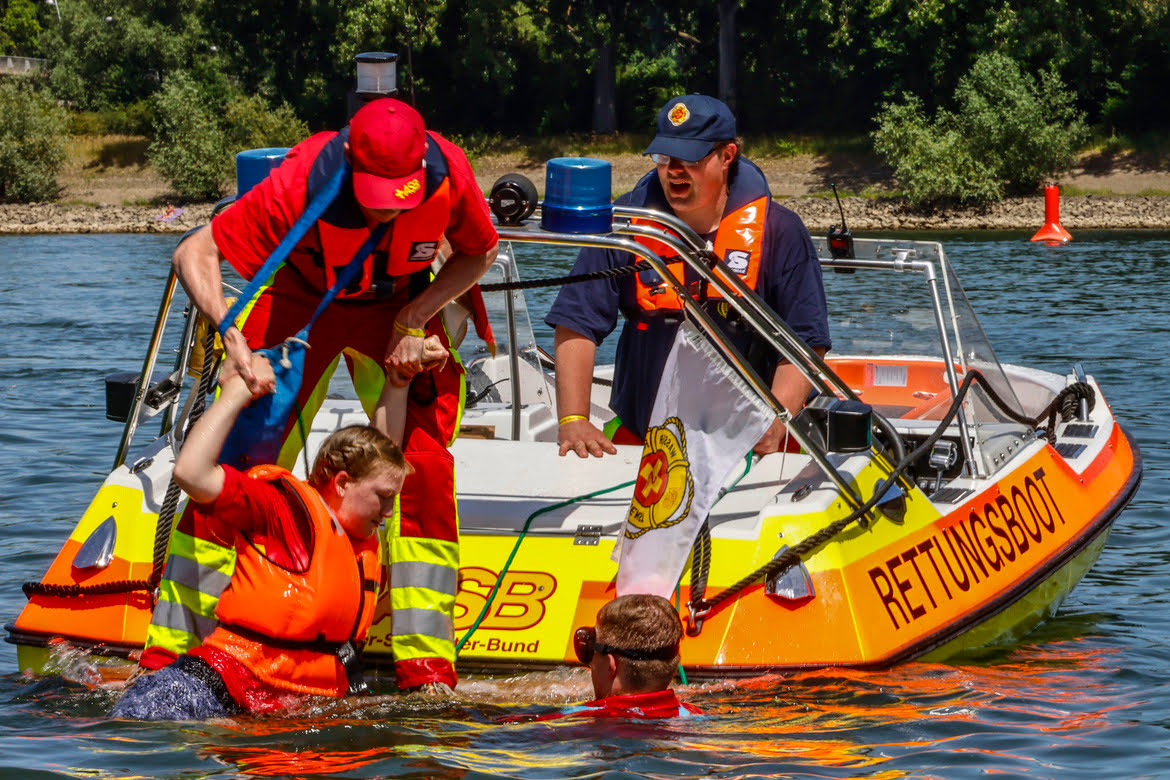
<point>1084,697</point>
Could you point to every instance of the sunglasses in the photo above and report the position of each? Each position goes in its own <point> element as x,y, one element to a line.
<point>666,159</point>
<point>585,645</point>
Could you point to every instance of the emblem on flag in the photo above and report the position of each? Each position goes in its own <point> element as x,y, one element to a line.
<point>665,488</point>
<point>704,420</point>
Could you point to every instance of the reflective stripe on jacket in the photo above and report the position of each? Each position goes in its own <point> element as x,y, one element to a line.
<point>199,566</point>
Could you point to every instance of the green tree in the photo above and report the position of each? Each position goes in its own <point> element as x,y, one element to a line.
<point>284,51</point>
<point>1008,134</point>
<point>198,132</point>
<point>113,52</point>
<point>366,25</point>
<point>250,123</point>
<point>33,129</point>
<point>190,148</point>
<point>1029,128</point>
<point>19,28</point>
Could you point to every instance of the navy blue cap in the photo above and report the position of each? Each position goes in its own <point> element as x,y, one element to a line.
<point>690,126</point>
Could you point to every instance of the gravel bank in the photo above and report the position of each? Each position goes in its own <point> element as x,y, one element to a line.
<point>1089,212</point>
<point>56,218</point>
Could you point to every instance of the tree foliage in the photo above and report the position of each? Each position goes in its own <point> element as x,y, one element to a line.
<point>33,129</point>
<point>537,67</point>
<point>112,52</point>
<point>20,30</point>
<point>1008,133</point>
<point>198,132</point>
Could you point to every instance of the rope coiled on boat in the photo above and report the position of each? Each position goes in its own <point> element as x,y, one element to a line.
<point>1066,404</point>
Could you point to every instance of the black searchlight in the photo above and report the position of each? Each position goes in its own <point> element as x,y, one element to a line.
<point>512,198</point>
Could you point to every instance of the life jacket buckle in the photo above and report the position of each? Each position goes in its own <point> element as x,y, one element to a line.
<point>347,654</point>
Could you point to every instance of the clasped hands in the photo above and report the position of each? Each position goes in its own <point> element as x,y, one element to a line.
<point>257,374</point>
<point>409,354</point>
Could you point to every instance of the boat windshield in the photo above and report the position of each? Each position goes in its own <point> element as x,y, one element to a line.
<point>885,310</point>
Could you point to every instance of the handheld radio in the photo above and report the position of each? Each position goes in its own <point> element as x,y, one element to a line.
<point>840,238</point>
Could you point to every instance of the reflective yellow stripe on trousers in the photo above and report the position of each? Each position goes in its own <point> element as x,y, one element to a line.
<point>424,576</point>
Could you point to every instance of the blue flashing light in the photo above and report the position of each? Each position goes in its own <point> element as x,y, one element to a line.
<point>254,165</point>
<point>578,196</point>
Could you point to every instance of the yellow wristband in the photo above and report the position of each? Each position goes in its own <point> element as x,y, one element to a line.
<point>405,331</point>
<point>568,418</point>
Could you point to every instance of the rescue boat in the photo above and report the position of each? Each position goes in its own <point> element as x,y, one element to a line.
<point>940,501</point>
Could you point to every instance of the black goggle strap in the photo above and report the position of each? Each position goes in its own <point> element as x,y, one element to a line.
<point>656,654</point>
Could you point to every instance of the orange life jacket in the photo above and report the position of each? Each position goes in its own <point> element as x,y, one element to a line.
<point>738,242</point>
<point>413,239</point>
<point>288,628</point>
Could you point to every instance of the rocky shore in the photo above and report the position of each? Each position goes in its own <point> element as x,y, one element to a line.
<point>57,218</point>
<point>1085,212</point>
<point>1088,212</point>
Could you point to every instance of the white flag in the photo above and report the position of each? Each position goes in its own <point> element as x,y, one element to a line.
<point>704,421</point>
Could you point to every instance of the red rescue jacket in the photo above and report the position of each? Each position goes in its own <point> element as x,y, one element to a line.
<point>411,244</point>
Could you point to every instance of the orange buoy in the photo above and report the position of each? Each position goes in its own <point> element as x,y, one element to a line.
<point>1052,231</point>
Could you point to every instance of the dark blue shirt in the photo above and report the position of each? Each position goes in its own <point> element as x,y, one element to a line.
<point>789,281</point>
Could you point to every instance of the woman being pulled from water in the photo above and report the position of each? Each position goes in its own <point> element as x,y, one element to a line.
<point>307,574</point>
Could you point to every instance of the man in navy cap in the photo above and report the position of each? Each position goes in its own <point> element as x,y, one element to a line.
<point>701,178</point>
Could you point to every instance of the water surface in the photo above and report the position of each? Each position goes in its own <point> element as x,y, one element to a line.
<point>1084,696</point>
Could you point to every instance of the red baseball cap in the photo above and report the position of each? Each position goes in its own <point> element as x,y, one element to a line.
<point>387,144</point>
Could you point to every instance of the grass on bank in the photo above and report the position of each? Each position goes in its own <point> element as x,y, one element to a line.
<point>113,168</point>
<point>538,150</point>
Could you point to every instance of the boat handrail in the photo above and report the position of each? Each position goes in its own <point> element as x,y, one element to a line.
<point>744,300</point>
<point>917,257</point>
<point>707,327</point>
<point>882,254</point>
<point>688,244</point>
<point>505,264</point>
<point>145,377</point>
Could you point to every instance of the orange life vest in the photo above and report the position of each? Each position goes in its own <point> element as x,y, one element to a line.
<point>413,239</point>
<point>288,628</point>
<point>738,242</point>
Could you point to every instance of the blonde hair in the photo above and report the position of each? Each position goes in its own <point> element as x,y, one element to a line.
<point>358,450</point>
<point>641,622</point>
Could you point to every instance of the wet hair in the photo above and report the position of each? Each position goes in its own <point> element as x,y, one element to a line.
<point>639,621</point>
<point>358,450</point>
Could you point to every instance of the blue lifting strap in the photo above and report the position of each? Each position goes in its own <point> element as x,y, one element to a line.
<point>258,433</point>
<point>310,216</point>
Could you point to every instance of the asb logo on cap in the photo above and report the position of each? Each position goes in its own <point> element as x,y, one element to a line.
<point>407,190</point>
<point>679,114</point>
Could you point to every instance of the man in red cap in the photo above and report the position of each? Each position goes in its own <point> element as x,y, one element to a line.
<point>424,185</point>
